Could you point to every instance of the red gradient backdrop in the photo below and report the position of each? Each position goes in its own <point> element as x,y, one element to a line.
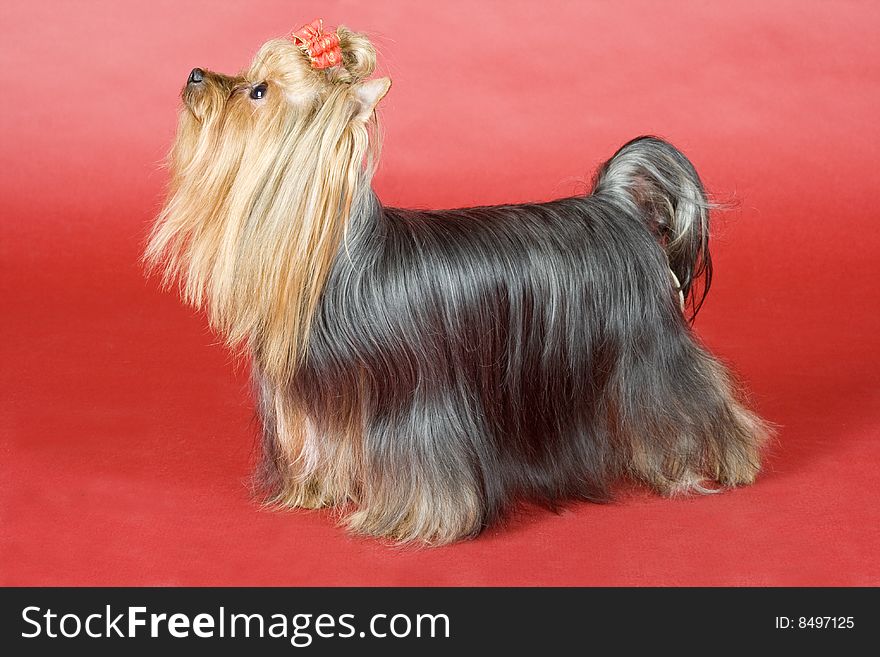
<point>126,431</point>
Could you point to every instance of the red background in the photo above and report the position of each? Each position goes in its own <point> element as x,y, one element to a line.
<point>127,431</point>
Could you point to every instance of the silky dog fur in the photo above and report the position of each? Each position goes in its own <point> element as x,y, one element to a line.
<point>426,371</point>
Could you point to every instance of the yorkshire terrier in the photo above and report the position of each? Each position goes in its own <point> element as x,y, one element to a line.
<point>426,371</point>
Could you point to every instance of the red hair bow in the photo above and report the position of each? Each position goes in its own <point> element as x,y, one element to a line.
<point>322,48</point>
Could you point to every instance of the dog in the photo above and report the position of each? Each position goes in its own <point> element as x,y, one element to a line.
<point>426,372</point>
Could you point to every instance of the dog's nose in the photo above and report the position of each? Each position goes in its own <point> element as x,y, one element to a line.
<point>195,76</point>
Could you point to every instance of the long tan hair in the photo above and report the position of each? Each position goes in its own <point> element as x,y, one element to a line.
<point>261,192</point>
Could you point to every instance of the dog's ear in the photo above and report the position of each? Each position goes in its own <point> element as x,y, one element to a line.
<point>367,94</point>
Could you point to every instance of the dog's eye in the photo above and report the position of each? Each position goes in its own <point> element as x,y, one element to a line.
<point>259,91</point>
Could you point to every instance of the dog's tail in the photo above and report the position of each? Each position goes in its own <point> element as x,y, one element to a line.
<point>655,180</point>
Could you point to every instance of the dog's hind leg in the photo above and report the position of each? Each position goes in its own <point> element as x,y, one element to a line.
<point>681,415</point>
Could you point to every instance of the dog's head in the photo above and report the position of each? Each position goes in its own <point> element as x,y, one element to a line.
<point>283,89</point>
<point>265,169</point>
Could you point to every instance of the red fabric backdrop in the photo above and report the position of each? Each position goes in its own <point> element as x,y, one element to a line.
<point>127,431</point>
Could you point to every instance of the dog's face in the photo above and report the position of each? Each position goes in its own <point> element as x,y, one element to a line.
<point>265,111</point>
<point>265,168</point>
<point>278,83</point>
